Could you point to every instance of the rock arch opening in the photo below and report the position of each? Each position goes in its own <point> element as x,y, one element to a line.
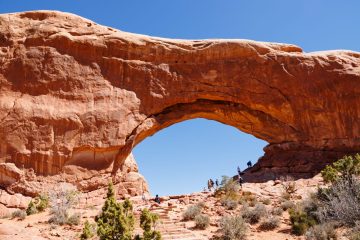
<point>179,159</point>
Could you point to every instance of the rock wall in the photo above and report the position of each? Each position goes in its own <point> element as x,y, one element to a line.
<point>75,92</point>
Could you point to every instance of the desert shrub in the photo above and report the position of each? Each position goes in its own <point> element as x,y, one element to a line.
<point>73,219</point>
<point>321,232</point>
<point>229,204</point>
<point>38,204</point>
<point>20,214</point>
<point>340,202</point>
<point>248,197</point>
<point>65,218</point>
<point>148,221</point>
<point>354,233</point>
<point>31,208</point>
<point>253,215</point>
<point>88,231</point>
<point>311,207</point>
<point>43,202</point>
<point>289,187</point>
<point>277,211</point>
<point>287,205</point>
<point>329,174</point>
<point>191,212</point>
<point>229,189</point>
<point>116,220</point>
<point>61,200</point>
<point>270,222</point>
<point>265,201</point>
<point>253,203</point>
<point>285,196</point>
<point>345,167</point>
<point>233,228</point>
<point>300,221</point>
<point>202,221</point>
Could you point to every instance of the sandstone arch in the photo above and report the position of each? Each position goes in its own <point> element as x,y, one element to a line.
<point>73,91</point>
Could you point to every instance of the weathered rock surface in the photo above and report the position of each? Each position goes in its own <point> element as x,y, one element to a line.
<point>73,92</point>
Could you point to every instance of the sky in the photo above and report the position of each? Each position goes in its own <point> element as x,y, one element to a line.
<point>180,158</point>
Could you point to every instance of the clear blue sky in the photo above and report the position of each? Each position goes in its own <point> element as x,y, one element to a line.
<point>182,157</point>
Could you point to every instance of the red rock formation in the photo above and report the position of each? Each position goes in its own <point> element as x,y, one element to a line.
<point>75,92</point>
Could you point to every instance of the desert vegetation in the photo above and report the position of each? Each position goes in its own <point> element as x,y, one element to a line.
<point>329,211</point>
<point>336,205</point>
<point>116,220</point>
<point>232,228</point>
<point>38,204</point>
<point>62,200</point>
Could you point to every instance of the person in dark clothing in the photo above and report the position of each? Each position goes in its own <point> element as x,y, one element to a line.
<point>249,164</point>
<point>238,170</point>
<point>217,183</point>
<point>210,184</point>
<point>241,181</point>
<point>157,199</point>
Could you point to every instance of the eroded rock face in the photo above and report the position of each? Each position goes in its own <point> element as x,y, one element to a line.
<point>75,92</point>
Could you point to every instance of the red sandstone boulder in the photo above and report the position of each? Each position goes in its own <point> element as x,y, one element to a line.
<point>9,174</point>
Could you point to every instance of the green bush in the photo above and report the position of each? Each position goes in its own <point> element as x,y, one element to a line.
<point>116,220</point>
<point>31,209</point>
<point>254,215</point>
<point>343,168</point>
<point>233,228</point>
<point>329,174</point>
<point>43,203</point>
<point>202,221</point>
<point>270,222</point>
<point>148,222</point>
<point>88,231</point>
<point>191,212</point>
<point>300,221</point>
<point>38,204</point>
<point>20,214</point>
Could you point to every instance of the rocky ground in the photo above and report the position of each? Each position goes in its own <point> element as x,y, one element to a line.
<point>170,211</point>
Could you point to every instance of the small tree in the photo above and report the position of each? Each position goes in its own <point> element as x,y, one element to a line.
<point>343,168</point>
<point>148,222</point>
<point>116,221</point>
<point>88,231</point>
